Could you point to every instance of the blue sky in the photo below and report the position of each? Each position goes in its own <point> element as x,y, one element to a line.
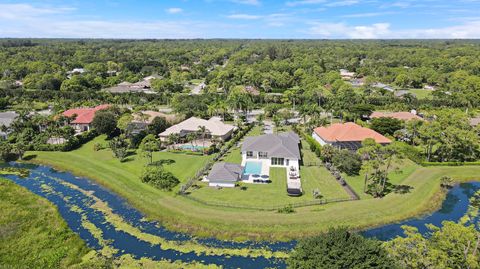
<point>312,19</point>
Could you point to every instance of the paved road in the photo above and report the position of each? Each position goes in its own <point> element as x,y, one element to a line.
<point>198,89</point>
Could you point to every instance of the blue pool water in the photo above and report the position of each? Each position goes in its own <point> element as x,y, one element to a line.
<point>190,147</point>
<point>252,168</point>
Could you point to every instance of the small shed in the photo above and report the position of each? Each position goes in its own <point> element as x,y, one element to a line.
<point>224,175</point>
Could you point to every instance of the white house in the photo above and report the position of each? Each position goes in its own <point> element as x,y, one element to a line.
<point>270,150</point>
<point>215,128</point>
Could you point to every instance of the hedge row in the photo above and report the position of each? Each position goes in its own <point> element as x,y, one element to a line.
<point>449,163</point>
<point>72,143</point>
<point>232,142</point>
<point>312,143</point>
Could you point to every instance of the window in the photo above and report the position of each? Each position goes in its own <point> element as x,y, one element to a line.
<point>263,155</point>
<point>249,154</point>
<point>277,161</point>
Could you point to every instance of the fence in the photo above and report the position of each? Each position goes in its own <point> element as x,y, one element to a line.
<point>312,164</point>
<point>209,164</point>
<point>269,208</point>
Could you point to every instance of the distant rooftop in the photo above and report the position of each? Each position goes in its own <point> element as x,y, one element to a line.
<point>349,132</point>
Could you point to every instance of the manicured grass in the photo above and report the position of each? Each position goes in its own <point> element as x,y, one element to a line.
<point>421,93</point>
<point>235,155</point>
<point>182,214</point>
<point>183,165</point>
<point>318,177</point>
<point>33,234</point>
<point>274,194</point>
<point>401,169</point>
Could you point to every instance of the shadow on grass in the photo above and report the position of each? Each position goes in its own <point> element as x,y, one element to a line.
<point>162,162</point>
<point>29,157</point>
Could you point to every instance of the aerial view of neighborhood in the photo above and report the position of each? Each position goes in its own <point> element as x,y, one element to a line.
<point>231,134</point>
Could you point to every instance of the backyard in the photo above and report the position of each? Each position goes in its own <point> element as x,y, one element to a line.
<point>182,214</point>
<point>315,177</point>
<point>182,165</point>
<point>401,169</point>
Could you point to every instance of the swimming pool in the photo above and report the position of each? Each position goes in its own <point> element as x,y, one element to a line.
<point>190,147</point>
<point>252,168</point>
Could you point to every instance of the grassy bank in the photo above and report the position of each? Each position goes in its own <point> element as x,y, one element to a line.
<point>33,234</point>
<point>185,215</point>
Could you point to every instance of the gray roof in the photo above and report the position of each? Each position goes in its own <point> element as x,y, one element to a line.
<point>6,118</point>
<point>225,172</point>
<point>283,145</point>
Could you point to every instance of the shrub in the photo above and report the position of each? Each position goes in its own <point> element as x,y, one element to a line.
<point>347,162</point>
<point>159,178</point>
<point>339,248</point>
<point>105,122</point>
<point>288,209</point>
<point>386,126</point>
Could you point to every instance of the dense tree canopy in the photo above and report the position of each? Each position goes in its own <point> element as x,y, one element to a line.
<point>339,248</point>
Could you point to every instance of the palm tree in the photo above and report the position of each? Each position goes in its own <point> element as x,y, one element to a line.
<point>191,138</point>
<point>203,131</point>
<point>173,139</point>
<point>143,117</point>
<point>212,109</point>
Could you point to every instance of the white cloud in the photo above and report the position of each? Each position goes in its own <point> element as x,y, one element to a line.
<point>22,11</point>
<point>247,2</point>
<point>304,2</point>
<point>367,15</point>
<point>341,30</point>
<point>342,3</point>
<point>468,30</point>
<point>174,10</point>
<point>244,17</point>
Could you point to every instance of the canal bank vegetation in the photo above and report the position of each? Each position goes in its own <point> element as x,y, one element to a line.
<point>181,214</point>
<point>185,246</point>
<point>33,234</point>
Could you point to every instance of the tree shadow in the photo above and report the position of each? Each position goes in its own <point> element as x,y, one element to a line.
<point>162,162</point>
<point>402,189</point>
<point>29,157</point>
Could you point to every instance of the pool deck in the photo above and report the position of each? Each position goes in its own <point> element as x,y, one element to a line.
<point>265,171</point>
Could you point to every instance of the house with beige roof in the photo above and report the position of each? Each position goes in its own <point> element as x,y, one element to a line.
<point>403,116</point>
<point>347,135</point>
<point>215,128</point>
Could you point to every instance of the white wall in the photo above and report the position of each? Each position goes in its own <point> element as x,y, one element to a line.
<point>319,139</point>
<point>221,184</point>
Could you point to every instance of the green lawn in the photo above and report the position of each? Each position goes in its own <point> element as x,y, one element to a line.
<point>274,194</point>
<point>401,169</point>
<point>421,93</point>
<point>33,234</point>
<point>179,213</point>
<point>183,165</point>
<point>234,155</point>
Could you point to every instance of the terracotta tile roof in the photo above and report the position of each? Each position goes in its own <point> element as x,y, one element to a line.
<point>84,115</point>
<point>348,132</point>
<point>396,115</point>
